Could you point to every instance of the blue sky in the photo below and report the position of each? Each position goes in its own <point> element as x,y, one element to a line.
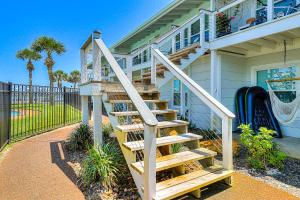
<point>70,22</point>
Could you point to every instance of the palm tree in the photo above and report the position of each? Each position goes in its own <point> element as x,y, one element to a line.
<point>60,76</point>
<point>49,46</point>
<point>29,55</point>
<point>74,78</point>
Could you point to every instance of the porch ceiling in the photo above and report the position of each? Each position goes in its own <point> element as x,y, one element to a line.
<point>267,44</point>
<point>174,11</point>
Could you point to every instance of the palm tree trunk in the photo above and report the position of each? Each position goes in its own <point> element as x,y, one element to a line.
<point>51,80</point>
<point>30,87</point>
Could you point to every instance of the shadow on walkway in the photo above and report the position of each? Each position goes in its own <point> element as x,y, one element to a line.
<point>60,157</point>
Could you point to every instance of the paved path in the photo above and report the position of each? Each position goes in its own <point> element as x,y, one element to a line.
<point>37,169</point>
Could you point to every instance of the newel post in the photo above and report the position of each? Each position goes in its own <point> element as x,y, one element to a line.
<point>149,162</point>
<point>97,98</point>
<point>227,143</point>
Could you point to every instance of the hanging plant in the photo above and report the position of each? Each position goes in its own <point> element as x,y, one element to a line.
<point>223,24</point>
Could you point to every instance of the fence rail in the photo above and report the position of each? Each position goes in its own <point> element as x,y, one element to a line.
<point>28,110</point>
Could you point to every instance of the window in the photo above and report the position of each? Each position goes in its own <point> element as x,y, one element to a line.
<point>286,91</point>
<point>122,62</point>
<point>177,41</point>
<point>137,60</point>
<point>186,37</point>
<point>195,32</point>
<point>145,56</point>
<point>176,93</point>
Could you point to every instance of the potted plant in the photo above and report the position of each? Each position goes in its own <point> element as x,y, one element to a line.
<point>223,24</point>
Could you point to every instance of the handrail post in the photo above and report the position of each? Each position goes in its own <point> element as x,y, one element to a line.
<point>227,143</point>
<point>270,10</point>
<point>149,162</point>
<point>97,99</point>
<point>153,65</point>
<point>202,28</point>
<point>129,67</point>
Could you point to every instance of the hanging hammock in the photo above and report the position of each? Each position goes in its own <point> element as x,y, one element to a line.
<point>285,113</point>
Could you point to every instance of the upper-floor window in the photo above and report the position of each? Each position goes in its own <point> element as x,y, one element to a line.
<point>122,62</point>
<point>137,60</point>
<point>145,55</point>
<point>195,32</point>
<point>177,42</point>
<point>186,37</point>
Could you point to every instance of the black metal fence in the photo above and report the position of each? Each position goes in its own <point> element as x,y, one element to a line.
<point>27,111</point>
<point>5,113</point>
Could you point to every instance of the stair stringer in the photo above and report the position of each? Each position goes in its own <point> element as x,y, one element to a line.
<point>185,62</point>
<point>129,156</point>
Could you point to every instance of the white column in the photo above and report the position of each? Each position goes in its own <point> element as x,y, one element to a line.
<point>149,162</point>
<point>202,28</point>
<point>215,74</point>
<point>227,143</point>
<point>270,10</point>
<point>85,109</point>
<point>97,116</point>
<point>182,38</point>
<point>153,65</point>
<point>173,44</point>
<point>213,26</point>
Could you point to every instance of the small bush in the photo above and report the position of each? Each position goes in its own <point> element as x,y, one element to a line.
<point>80,139</point>
<point>102,164</point>
<point>263,152</point>
<point>176,148</point>
<point>107,130</point>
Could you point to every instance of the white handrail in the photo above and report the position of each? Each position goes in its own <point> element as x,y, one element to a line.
<point>209,100</point>
<point>133,94</point>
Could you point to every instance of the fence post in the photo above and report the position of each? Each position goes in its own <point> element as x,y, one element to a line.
<point>65,102</point>
<point>9,110</point>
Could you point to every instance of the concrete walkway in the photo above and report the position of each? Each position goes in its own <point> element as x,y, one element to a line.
<point>37,168</point>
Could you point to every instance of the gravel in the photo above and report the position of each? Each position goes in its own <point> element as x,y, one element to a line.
<point>287,179</point>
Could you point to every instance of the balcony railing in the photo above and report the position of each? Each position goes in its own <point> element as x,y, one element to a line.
<point>242,14</point>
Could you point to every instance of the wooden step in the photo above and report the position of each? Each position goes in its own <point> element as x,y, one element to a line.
<point>140,127</point>
<point>174,160</point>
<point>163,141</point>
<point>184,184</point>
<point>158,71</point>
<point>134,113</point>
<point>129,101</point>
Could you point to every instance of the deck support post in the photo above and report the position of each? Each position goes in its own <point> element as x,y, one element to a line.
<point>227,143</point>
<point>97,116</point>
<point>129,67</point>
<point>149,175</point>
<point>270,10</point>
<point>85,109</point>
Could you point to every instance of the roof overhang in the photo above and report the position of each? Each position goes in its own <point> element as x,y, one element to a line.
<point>166,16</point>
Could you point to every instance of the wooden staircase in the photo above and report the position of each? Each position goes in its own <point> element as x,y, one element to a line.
<point>170,131</point>
<point>176,58</point>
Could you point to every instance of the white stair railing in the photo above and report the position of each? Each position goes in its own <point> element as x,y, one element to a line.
<point>215,106</point>
<point>149,120</point>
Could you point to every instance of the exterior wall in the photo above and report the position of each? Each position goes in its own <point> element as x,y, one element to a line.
<point>233,76</point>
<point>275,60</point>
<point>199,113</point>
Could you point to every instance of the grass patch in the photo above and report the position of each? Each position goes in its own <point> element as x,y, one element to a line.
<point>38,118</point>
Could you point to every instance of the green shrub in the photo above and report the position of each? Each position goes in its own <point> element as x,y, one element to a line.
<point>176,148</point>
<point>102,164</point>
<point>263,152</point>
<point>80,139</point>
<point>107,130</point>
